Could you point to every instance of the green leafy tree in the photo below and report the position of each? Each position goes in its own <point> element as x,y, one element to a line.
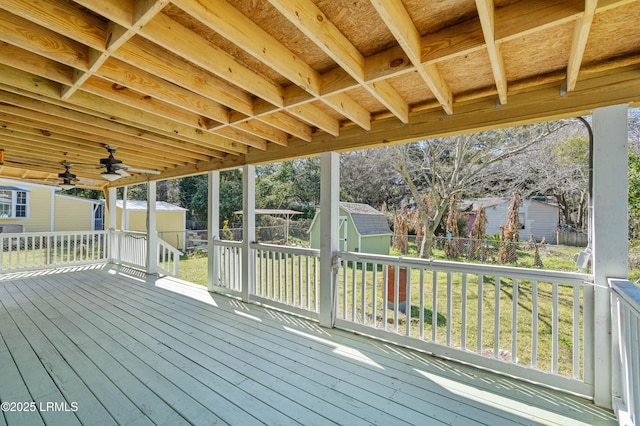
<point>634,195</point>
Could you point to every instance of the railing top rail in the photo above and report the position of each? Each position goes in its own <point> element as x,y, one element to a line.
<point>627,292</point>
<point>130,232</point>
<point>304,251</point>
<point>169,247</point>
<point>227,243</point>
<point>575,278</point>
<point>48,234</point>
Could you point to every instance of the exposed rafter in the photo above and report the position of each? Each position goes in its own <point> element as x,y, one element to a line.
<point>487,21</point>
<point>399,23</point>
<point>186,86</point>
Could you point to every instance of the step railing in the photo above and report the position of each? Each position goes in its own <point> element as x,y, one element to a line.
<point>534,324</point>
<point>287,277</point>
<point>39,250</point>
<point>168,258</point>
<point>625,309</point>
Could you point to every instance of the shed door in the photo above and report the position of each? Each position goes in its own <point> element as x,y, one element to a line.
<point>343,232</point>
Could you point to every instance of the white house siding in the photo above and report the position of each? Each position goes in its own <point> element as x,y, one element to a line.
<point>496,217</point>
<point>73,213</point>
<point>541,221</point>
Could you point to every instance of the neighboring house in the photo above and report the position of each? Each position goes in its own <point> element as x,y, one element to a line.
<point>32,207</point>
<point>539,216</point>
<point>170,220</point>
<point>362,228</point>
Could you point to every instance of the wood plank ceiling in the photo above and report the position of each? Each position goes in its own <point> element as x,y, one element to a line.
<point>185,86</point>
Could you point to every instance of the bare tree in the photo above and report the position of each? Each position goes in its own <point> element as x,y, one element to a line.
<point>438,169</point>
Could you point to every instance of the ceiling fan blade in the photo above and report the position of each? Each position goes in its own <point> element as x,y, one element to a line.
<point>136,170</point>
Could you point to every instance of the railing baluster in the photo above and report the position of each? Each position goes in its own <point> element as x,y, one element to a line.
<point>396,295</point>
<point>422,318</point>
<point>354,268</point>
<point>308,271</point>
<point>385,295</point>
<point>449,306</point>
<point>480,300</point>
<point>576,332</point>
<point>514,321</point>
<point>534,324</point>
<point>285,277</point>
<point>374,292</point>
<point>300,287</point>
<point>496,317</point>
<point>363,294</point>
<point>434,302</point>
<point>463,313</point>
<point>554,329</point>
<point>408,303</point>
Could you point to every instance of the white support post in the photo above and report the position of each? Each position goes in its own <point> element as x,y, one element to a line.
<point>213,229</point>
<point>610,233</point>
<point>248,229</point>
<point>329,225</point>
<point>112,197</point>
<point>124,222</point>
<point>152,234</point>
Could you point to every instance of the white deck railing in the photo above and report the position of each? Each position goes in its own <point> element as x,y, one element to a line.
<point>287,277</point>
<point>38,250</point>
<point>168,258</point>
<point>228,270</point>
<point>533,324</point>
<point>626,333</point>
<point>129,248</point>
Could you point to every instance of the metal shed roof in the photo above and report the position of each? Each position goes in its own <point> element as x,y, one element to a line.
<point>367,220</point>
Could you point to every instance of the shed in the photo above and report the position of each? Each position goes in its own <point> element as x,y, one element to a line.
<point>362,229</point>
<point>170,220</point>
<point>538,216</point>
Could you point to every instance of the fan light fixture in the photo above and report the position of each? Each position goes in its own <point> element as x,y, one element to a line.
<point>67,185</point>
<point>111,174</point>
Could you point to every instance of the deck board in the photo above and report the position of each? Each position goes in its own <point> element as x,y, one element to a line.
<point>131,349</point>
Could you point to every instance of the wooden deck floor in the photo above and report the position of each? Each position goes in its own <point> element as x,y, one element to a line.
<point>97,345</point>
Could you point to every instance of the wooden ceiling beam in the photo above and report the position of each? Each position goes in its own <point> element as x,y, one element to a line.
<point>116,37</point>
<point>579,43</point>
<point>113,115</point>
<point>174,37</point>
<point>183,42</point>
<point>309,19</point>
<point>111,130</point>
<point>486,13</point>
<point>233,25</point>
<point>73,141</point>
<point>230,23</point>
<point>397,19</point>
<point>535,105</point>
<point>152,63</point>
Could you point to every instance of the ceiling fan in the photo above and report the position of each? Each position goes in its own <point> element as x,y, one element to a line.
<point>68,179</point>
<point>115,169</point>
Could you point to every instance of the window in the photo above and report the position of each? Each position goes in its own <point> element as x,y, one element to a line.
<point>5,203</point>
<point>21,204</point>
<point>13,203</point>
